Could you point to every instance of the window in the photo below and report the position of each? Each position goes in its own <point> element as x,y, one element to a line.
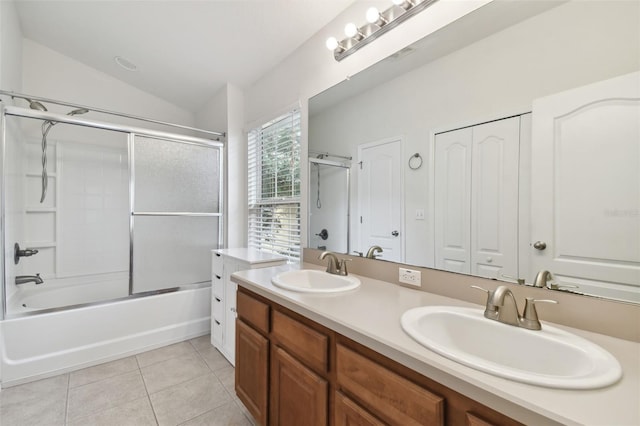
<point>274,186</point>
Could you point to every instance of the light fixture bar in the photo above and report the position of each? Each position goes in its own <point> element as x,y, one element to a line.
<point>349,45</point>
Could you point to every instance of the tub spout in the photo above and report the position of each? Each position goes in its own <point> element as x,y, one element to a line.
<point>23,279</point>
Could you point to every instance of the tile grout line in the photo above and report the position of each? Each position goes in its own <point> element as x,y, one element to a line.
<point>66,405</point>
<point>144,383</point>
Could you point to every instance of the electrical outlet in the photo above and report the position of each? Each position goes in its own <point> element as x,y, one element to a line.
<point>419,214</point>
<point>409,276</point>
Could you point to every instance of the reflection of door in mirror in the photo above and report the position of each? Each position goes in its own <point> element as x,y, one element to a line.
<point>380,198</point>
<point>329,205</point>
<point>586,187</point>
<point>476,199</point>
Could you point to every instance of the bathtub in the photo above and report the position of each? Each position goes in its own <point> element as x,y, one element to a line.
<point>40,345</point>
<point>55,294</point>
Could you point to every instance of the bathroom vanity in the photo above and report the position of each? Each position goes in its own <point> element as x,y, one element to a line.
<point>344,359</point>
<point>225,262</point>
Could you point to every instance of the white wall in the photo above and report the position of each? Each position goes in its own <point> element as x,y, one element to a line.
<point>10,48</point>
<point>225,112</point>
<point>49,74</point>
<point>11,79</point>
<point>312,68</point>
<point>497,76</point>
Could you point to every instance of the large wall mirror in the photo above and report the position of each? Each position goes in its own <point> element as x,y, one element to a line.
<point>504,144</point>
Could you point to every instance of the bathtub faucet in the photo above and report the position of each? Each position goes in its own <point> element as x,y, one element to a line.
<point>23,279</point>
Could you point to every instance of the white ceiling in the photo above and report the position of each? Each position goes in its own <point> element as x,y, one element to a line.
<point>185,50</point>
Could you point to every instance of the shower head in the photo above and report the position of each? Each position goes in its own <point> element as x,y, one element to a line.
<point>36,105</point>
<point>78,111</point>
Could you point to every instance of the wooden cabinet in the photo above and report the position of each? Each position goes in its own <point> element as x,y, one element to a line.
<point>390,396</point>
<point>225,262</point>
<point>252,370</point>
<point>349,413</point>
<point>298,395</point>
<point>293,371</point>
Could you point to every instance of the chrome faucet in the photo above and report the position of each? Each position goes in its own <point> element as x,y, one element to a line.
<point>23,279</point>
<point>542,278</point>
<point>371,254</point>
<point>335,266</point>
<point>501,306</point>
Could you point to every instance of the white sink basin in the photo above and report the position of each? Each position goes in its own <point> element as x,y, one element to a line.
<point>312,281</point>
<point>549,357</point>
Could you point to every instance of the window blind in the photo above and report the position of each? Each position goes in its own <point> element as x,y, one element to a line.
<point>274,186</point>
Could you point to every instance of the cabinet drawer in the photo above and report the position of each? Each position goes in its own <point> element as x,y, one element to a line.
<point>253,311</point>
<point>217,308</point>
<point>217,286</point>
<point>473,420</point>
<point>391,397</point>
<point>307,344</point>
<point>216,332</point>
<point>348,413</point>
<point>217,264</point>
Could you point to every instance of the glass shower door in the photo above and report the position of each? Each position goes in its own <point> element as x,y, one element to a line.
<point>176,212</point>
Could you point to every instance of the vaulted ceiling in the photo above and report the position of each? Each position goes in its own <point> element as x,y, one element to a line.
<point>184,51</point>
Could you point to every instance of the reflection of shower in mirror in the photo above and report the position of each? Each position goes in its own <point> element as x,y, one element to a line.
<point>331,207</point>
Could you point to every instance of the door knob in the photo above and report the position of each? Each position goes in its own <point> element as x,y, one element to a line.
<point>539,245</point>
<point>395,233</point>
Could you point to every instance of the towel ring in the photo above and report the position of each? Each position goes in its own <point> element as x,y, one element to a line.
<point>415,164</point>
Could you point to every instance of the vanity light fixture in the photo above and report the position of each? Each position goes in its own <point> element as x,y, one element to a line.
<point>377,24</point>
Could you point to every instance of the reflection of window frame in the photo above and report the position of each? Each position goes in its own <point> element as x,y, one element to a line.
<point>274,186</point>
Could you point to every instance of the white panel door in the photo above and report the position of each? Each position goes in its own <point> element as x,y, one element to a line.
<point>494,198</point>
<point>452,200</point>
<point>586,184</point>
<point>380,198</point>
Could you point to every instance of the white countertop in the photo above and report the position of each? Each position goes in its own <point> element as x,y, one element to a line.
<point>370,315</point>
<point>250,255</point>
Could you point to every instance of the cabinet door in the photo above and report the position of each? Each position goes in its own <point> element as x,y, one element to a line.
<point>348,413</point>
<point>298,395</point>
<point>252,370</point>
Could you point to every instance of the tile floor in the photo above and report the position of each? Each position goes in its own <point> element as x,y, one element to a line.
<point>188,384</point>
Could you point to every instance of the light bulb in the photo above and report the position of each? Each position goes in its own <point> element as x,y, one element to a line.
<point>405,4</point>
<point>331,43</point>
<point>350,29</point>
<point>373,15</point>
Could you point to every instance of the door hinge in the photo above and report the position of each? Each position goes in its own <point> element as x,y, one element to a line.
<point>360,164</point>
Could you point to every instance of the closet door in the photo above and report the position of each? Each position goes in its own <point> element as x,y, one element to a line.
<point>586,185</point>
<point>452,200</point>
<point>494,198</point>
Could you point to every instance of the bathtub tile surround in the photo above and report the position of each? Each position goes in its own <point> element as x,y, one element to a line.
<point>187,383</point>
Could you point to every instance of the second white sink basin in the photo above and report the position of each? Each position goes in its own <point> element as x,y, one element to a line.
<point>312,281</point>
<point>549,357</point>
